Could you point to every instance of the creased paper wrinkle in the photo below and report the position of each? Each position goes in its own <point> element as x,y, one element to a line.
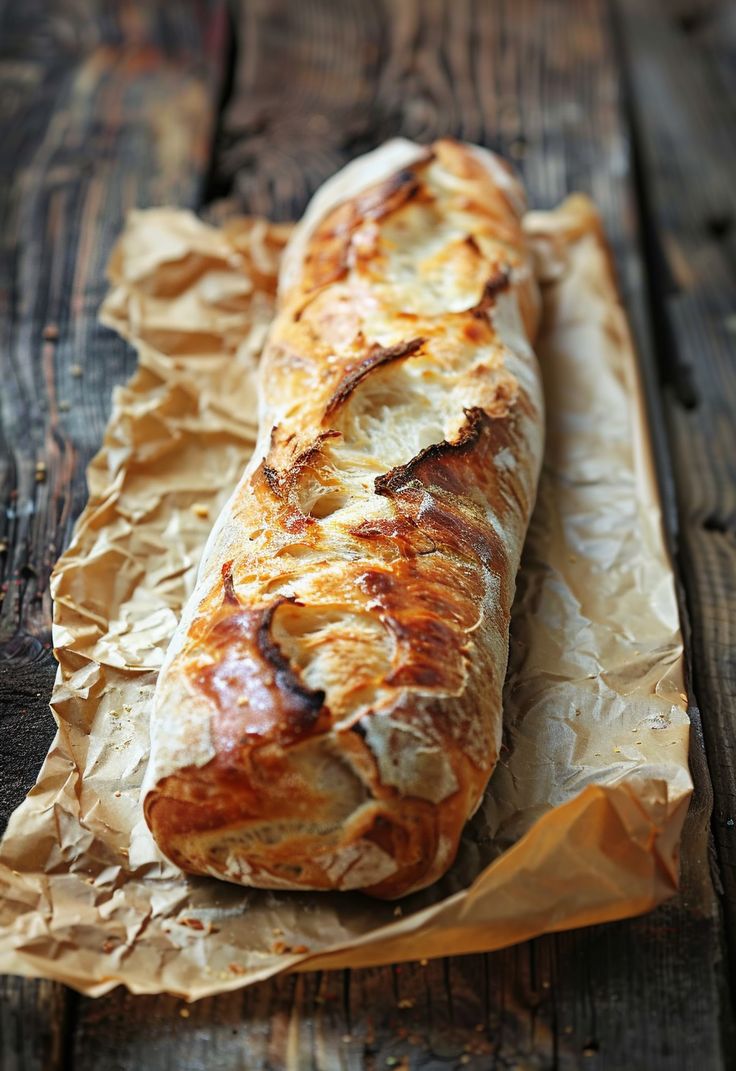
<point>582,819</point>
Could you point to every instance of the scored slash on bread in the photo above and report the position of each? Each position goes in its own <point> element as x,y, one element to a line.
<point>329,711</point>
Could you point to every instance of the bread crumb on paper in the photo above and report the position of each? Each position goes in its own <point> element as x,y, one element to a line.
<point>280,948</point>
<point>193,924</point>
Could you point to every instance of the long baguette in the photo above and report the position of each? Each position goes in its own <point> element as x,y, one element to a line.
<point>329,711</point>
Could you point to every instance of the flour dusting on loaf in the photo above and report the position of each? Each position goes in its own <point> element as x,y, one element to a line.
<point>329,711</point>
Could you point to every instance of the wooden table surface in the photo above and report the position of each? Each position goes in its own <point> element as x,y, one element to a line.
<point>105,106</point>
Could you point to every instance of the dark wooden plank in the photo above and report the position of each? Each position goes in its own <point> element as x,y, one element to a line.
<point>34,1023</point>
<point>315,83</point>
<point>102,108</point>
<point>685,126</point>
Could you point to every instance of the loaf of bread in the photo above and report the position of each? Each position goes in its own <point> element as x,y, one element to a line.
<point>329,710</point>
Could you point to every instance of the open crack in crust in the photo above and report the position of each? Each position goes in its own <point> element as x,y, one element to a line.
<point>330,711</point>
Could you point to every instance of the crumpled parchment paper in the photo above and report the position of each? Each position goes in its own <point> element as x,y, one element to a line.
<point>582,817</point>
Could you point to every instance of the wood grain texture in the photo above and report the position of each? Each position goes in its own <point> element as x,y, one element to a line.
<point>101,112</point>
<point>102,108</point>
<point>314,84</point>
<point>681,75</point>
<point>34,1025</point>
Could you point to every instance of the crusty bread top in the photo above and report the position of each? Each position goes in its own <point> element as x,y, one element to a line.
<point>366,562</point>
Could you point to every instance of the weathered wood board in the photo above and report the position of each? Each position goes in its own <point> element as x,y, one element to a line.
<point>108,112</point>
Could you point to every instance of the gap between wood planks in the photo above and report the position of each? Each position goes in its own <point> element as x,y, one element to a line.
<point>685,168</point>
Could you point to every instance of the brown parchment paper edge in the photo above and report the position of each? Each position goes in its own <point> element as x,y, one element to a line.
<point>459,923</point>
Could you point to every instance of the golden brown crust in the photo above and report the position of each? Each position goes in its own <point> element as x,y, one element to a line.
<point>329,713</point>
